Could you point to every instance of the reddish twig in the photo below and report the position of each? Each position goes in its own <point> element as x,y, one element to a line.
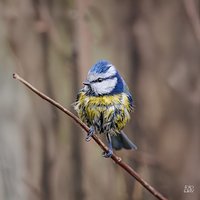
<point>117,159</point>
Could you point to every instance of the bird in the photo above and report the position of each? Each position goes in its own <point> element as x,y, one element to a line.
<point>104,104</point>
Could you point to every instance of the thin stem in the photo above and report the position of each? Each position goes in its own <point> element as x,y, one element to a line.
<point>193,15</point>
<point>114,157</point>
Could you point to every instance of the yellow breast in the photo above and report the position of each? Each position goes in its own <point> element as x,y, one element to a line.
<point>102,110</point>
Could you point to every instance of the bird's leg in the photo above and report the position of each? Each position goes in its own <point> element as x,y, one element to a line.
<point>90,134</point>
<point>109,153</point>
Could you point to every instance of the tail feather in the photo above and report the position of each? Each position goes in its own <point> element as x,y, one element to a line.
<point>121,140</point>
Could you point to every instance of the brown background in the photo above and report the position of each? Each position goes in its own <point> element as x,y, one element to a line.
<point>155,44</point>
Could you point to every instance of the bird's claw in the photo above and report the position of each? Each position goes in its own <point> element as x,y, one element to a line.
<point>89,135</point>
<point>88,138</point>
<point>107,154</point>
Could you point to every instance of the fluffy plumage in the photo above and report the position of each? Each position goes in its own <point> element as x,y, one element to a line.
<point>104,104</point>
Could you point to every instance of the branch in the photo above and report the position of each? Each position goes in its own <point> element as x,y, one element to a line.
<point>193,16</point>
<point>115,158</point>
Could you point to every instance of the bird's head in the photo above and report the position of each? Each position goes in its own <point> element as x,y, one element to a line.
<point>103,79</point>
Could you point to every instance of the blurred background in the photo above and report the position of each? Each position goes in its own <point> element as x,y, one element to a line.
<point>155,44</point>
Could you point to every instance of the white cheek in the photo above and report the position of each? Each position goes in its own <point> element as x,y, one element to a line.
<point>111,71</point>
<point>104,87</point>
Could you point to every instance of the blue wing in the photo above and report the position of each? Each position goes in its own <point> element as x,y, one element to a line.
<point>126,90</point>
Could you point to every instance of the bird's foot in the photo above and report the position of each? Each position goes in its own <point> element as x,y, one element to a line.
<point>90,134</point>
<point>107,154</point>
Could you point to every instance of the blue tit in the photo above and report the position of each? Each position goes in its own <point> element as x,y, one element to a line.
<point>104,104</point>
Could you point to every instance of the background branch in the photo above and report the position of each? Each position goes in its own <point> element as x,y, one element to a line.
<point>117,159</point>
<point>192,12</point>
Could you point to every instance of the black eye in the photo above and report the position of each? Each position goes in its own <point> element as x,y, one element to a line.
<point>99,79</point>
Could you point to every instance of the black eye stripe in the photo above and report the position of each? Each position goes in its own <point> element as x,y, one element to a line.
<point>103,79</point>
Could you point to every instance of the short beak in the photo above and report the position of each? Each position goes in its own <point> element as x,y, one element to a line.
<point>86,83</point>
